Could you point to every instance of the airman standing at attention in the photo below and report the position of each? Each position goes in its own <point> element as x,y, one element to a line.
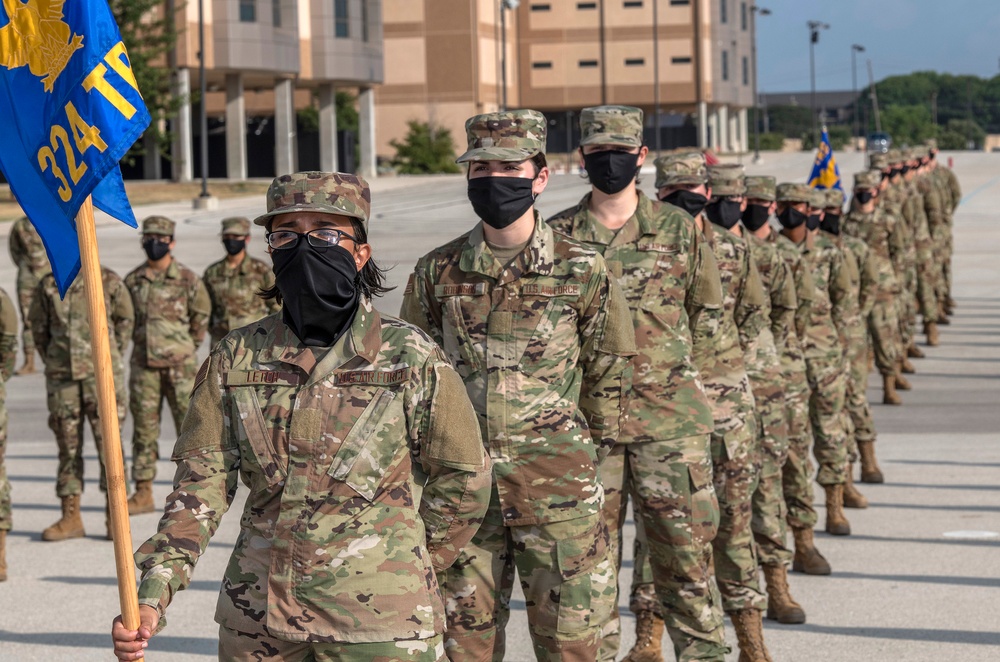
<point>171,315</point>
<point>952,194</point>
<point>721,338</point>
<point>28,253</point>
<point>916,218</point>
<point>663,458</point>
<point>8,358</point>
<point>540,332</point>
<point>234,281</point>
<point>61,330</point>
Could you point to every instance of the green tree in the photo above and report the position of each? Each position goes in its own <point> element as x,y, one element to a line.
<point>959,133</point>
<point>772,141</point>
<point>426,149</point>
<point>908,125</point>
<point>790,121</point>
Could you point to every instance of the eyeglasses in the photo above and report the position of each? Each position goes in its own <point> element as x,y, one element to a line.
<point>322,238</point>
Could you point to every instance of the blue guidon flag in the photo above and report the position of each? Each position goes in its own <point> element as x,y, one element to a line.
<point>70,109</point>
<point>825,173</point>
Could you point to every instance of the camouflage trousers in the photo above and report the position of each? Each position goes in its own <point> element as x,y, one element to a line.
<point>828,392</point>
<point>71,404</point>
<point>907,308</point>
<point>885,337</point>
<point>567,575</point>
<point>5,517</point>
<point>147,389</point>
<point>26,284</point>
<point>927,277</point>
<point>942,258</point>
<point>239,647</point>
<point>797,472</point>
<point>768,523</point>
<point>735,474</point>
<point>859,412</point>
<point>676,518</point>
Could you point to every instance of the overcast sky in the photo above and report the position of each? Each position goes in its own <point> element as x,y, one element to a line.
<point>899,36</point>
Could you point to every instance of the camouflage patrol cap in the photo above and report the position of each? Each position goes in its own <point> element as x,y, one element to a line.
<point>160,225</point>
<point>907,154</point>
<point>867,179</point>
<point>727,179</point>
<point>789,192</point>
<point>325,192</point>
<point>932,145</point>
<point>681,168</point>
<point>761,187</point>
<point>833,197</point>
<point>611,125</point>
<point>514,135</point>
<point>878,161</point>
<point>895,156</point>
<point>236,225</point>
<point>818,198</point>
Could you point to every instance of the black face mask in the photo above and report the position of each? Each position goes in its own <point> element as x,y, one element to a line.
<point>234,246</point>
<point>864,196</point>
<point>724,213</point>
<point>755,217</point>
<point>812,222</point>
<point>319,291</point>
<point>155,249</point>
<point>831,223</point>
<point>791,218</point>
<point>500,201</point>
<point>895,172</point>
<point>610,172</point>
<point>691,202</point>
<point>904,170</point>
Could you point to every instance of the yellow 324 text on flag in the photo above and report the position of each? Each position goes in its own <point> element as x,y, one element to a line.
<point>77,131</point>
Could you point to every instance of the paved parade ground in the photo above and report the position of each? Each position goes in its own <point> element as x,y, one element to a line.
<point>917,581</point>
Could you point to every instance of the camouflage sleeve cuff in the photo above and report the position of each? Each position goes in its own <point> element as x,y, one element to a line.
<point>154,591</point>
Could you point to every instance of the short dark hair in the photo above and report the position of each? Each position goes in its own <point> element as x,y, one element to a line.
<point>370,280</point>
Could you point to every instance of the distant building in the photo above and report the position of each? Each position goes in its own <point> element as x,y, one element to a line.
<point>833,107</point>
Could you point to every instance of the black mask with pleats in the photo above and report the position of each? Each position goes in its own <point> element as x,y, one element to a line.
<point>691,202</point>
<point>234,246</point>
<point>319,291</point>
<point>610,172</point>
<point>755,217</point>
<point>724,213</point>
<point>499,201</point>
<point>791,218</point>
<point>830,223</point>
<point>155,249</point>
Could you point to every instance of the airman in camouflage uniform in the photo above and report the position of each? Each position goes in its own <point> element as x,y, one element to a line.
<point>797,471</point>
<point>61,330</point>
<point>823,346</point>
<point>234,281</point>
<point>952,195</point>
<point>763,359</point>
<point>722,337</point>
<point>662,459</point>
<point>937,209</point>
<point>863,274</point>
<point>542,338</point>
<point>916,218</point>
<point>366,469</point>
<point>8,356</point>
<point>28,253</point>
<point>171,315</point>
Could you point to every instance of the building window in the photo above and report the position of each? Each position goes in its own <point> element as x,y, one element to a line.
<point>248,11</point>
<point>587,64</point>
<point>541,6</point>
<point>746,71</point>
<point>723,16</point>
<point>586,5</point>
<point>341,21</point>
<point>541,65</point>
<point>725,65</point>
<point>633,4</point>
<point>364,21</point>
<point>635,62</point>
<point>680,3</point>
<point>276,12</point>
<point>680,60</point>
<point>743,16</point>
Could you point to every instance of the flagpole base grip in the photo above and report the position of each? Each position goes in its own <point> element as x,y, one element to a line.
<point>206,203</point>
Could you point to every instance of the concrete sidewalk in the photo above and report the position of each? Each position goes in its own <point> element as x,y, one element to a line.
<point>917,581</point>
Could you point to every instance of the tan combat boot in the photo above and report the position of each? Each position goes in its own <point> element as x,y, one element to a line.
<point>750,635</point>
<point>3,555</point>
<point>949,305</point>
<point>853,498</point>
<point>807,558</point>
<point>648,639</point>
<point>943,317</point>
<point>906,367</point>
<point>29,365</point>
<point>901,383</point>
<point>870,471</point>
<point>781,606</point>
<point>930,328</point>
<point>836,521</point>
<point>142,501</point>
<point>889,395</point>
<point>915,352</point>
<point>69,525</point>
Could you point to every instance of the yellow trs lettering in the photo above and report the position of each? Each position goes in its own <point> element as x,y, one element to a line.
<point>96,80</point>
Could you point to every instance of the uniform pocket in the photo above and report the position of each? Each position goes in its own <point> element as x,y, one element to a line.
<point>256,434</point>
<point>588,590</point>
<point>364,456</point>
<point>703,504</point>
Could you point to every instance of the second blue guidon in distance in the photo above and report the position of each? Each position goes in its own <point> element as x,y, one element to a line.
<point>70,109</point>
<point>825,173</point>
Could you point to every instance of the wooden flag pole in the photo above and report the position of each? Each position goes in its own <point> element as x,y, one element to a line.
<point>107,407</point>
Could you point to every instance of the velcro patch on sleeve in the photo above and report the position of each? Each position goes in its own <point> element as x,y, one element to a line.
<point>409,285</point>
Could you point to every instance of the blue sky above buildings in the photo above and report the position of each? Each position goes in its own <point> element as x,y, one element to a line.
<point>899,36</point>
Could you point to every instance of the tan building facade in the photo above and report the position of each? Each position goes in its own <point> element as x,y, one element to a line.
<point>443,63</point>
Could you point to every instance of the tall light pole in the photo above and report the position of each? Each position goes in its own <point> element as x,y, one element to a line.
<point>763,11</point>
<point>504,6</point>
<point>855,49</point>
<point>202,110</point>
<point>814,28</point>
<point>656,75</point>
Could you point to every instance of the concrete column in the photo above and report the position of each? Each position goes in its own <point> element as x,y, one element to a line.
<point>328,161</point>
<point>151,156</point>
<point>735,136</point>
<point>366,129</point>
<point>723,114</point>
<point>284,127</point>
<point>713,126</point>
<point>744,130</point>
<point>702,124</point>
<point>183,162</point>
<point>236,128</point>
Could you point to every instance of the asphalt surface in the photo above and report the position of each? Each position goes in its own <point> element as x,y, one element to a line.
<point>917,581</point>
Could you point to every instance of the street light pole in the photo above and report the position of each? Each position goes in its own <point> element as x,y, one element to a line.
<point>814,28</point>
<point>202,110</point>
<point>855,49</point>
<point>754,10</point>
